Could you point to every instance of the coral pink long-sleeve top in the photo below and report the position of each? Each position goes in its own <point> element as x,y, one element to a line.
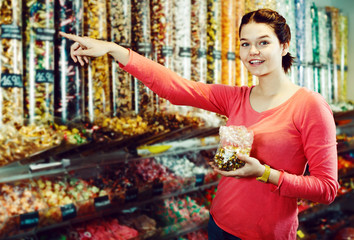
<point>298,132</point>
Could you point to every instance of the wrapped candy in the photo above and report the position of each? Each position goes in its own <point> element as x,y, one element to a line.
<point>69,104</point>
<point>120,19</point>
<point>161,37</point>
<point>234,140</point>
<point>198,40</point>
<point>141,43</point>
<point>182,38</point>
<point>228,49</point>
<point>39,44</point>
<point>11,85</point>
<point>98,74</point>
<point>214,42</point>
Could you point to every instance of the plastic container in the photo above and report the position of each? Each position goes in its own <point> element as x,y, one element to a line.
<point>182,37</point>
<point>22,203</point>
<point>122,92</point>
<point>161,31</point>
<point>228,51</point>
<point>54,191</point>
<point>11,65</point>
<point>214,42</point>
<point>69,103</point>
<point>315,49</point>
<point>39,84</point>
<point>343,58</point>
<point>141,43</point>
<point>241,71</point>
<point>98,88</point>
<point>198,40</point>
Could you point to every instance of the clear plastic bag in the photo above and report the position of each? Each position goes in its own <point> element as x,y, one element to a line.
<point>234,140</point>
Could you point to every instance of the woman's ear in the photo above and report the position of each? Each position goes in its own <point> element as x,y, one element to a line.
<point>285,48</point>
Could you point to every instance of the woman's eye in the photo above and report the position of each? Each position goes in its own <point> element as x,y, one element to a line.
<point>263,43</point>
<point>244,44</point>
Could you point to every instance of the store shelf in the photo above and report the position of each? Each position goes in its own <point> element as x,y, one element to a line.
<point>89,158</point>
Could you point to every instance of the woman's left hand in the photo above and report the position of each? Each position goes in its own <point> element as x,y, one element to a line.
<point>252,168</point>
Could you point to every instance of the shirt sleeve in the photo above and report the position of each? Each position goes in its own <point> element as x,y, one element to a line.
<point>179,91</point>
<point>318,132</point>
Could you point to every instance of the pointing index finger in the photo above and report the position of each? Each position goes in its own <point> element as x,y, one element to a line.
<point>71,37</point>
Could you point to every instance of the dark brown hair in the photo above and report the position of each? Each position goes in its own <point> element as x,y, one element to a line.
<point>278,23</point>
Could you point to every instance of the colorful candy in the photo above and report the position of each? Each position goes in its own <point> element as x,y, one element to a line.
<point>120,19</point>
<point>39,84</point>
<point>11,66</point>
<point>70,98</point>
<point>198,40</point>
<point>234,140</point>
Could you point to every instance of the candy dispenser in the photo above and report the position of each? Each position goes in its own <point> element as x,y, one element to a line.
<point>182,37</point>
<point>23,205</point>
<point>329,56</point>
<point>343,57</point>
<point>120,18</point>
<point>214,41</point>
<point>241,71</point>
<point>11,66</point>
<point>315,49</point>
<point>98,72</point>
<point>300,14</point>
<point>198,40</point>
<point>161,37</point>
<point>287,9</point>
<point>141,43</point>
<point>161,31</point>
<point>39,81</point>
<point>308,76</point>
<point>334,12</point>
<point>84,189</point>
<point>228,51</point>
<point>55,192</point>
<point>323,51</point>
<point>69,100</point>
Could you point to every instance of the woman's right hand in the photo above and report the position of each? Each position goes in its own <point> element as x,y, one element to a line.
<point>85,47</point>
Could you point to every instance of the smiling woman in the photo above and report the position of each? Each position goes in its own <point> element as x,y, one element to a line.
<point>293,127</point>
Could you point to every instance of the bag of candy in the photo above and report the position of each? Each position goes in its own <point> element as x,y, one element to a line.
<point>233,140</point>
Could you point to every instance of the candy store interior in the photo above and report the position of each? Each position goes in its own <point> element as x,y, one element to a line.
<point>91,153</point>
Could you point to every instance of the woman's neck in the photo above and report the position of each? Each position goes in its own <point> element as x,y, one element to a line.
<point>273,84</point>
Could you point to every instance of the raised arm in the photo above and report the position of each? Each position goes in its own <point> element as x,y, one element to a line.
<point>85,47</point>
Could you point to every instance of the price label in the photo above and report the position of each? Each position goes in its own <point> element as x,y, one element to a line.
<point>44,76</point>
<point>102,202</point>
<point>217,54</point>
<point>199,179</point>
<point>131,195</point>
<point>202,52</point>
<point>68,212</point>
<point>144,48</point>
<point>11,32</point>
<point>29,220</point>
<point>157,188</point>
<point>231,56</point>
<point>167,51</point>
<point>45,34</point>
<point>185,52</point>
<point>11,80</point>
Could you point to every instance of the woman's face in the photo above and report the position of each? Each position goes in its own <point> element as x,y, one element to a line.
<point>260,49</point>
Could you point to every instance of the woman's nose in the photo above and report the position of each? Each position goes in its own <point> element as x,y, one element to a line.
<point>254,50</point>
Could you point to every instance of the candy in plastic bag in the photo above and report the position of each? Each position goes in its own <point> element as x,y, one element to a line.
<point>234,140</point>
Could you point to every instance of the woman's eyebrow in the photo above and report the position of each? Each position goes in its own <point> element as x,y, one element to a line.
<point>264,36</point>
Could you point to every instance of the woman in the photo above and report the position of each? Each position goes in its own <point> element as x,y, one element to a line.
<point>293,127</point>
